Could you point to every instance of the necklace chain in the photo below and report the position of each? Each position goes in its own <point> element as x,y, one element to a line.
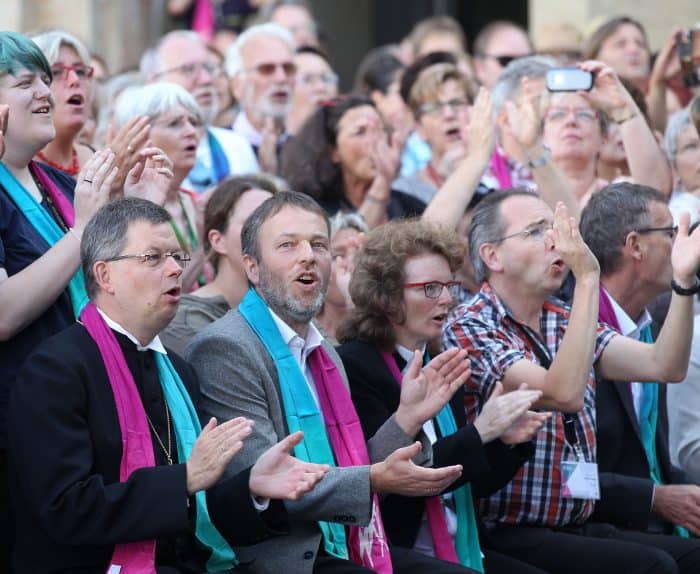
<point>169,450</point>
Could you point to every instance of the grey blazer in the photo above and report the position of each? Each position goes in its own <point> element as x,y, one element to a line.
<point>238,378</point>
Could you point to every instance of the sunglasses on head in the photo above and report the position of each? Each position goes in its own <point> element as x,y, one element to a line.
<point>502,60</point>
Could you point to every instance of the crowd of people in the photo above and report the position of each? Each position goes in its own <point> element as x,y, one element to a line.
<point>443,323</point>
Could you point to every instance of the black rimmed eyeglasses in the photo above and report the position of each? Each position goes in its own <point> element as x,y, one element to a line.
<point>670,230</point>
<point>433,289</point>
<point>155,259</point>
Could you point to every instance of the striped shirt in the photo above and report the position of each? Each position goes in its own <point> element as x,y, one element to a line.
<point>495,341</point>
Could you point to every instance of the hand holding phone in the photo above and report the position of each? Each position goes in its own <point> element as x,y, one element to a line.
<point>571,79</point>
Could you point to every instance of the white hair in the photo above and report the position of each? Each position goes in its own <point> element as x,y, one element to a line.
<point>50,44</point>
<point>508,85</point>
<point>234,55</point>
<point>153,100</point>
<point>675,126</point>
<point>151,61</point>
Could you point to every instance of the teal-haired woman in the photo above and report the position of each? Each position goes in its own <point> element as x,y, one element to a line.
<point>42,214</point>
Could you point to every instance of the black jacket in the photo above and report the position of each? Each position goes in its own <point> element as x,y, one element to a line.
<point>65,453</point>
<point>376,395</point>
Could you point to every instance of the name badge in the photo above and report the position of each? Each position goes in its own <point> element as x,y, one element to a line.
<point>114,569</point>
<point>579,479</point>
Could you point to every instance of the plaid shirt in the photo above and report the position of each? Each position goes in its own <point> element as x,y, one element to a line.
<point>495,341</point>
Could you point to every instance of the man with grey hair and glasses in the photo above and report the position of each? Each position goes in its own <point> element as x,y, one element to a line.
<point>127,479</point>
<point>521,159</point>
<point>517,333</point>
<point>261,66</point>
<point>640,489</point>
<point>181,57</point>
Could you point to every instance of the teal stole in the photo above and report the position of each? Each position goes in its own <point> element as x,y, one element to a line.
<point>648,416</point>
<point>300,408</point>
<point>466,539</point>
<point>649,409</point>
<point>187,429</point>
<point>45,225</point>
<point>137,450</point>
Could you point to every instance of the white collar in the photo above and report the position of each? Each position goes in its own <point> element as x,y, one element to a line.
<point>407,354</point>
<point>154,345</point>
<point>243,127</point>
<point>628,327</point>
<point>290,336</point>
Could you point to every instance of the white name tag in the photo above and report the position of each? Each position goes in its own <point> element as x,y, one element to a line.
<point>579,479</point>
<point>114,569</point>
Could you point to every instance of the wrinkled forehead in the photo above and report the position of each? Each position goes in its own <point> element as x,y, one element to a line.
<point>265,48</point>
<point>297,221</point>
<point>521,211</point>
<point>181,51</point>
<point>567,100</point>
<point>142,236</point>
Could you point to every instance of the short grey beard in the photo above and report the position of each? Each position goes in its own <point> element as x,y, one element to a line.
<point>284,304</point>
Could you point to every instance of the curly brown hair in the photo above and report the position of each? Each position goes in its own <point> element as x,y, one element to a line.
<point>377,282</point>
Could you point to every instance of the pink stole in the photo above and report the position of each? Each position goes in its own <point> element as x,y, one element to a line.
<point>500,170</point>
<point>442,541</point>
<point>367,545</point>
<point>137,446</point>
<point>63,206</point>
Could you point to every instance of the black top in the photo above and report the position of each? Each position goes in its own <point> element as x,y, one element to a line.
<point>376,395</point>
<point>20,246</point>
<point>401,205</point>
<point>65,452</point>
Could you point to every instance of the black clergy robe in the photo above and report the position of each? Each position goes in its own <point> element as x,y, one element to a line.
<point>65,453</point>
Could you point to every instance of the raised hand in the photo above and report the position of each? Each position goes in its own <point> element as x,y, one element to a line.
<point>608,93</point>
<point>525,116</point>
<point>278,474</point>
<point>93,187</point>
<point>267,153</point>
<point>398,474</point>
<point>667,63</point>
<point>212,451</point>
<point>481,133</point>
<point>570,245</point>
<point>425,391</point>
<point>501,411</point>
<point>685,256</point>
<point>126,143</point>
<point>151,176</point>
<point>4,114</point>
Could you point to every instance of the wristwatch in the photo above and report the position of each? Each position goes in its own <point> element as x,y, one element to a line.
<point>542,159</point>
<point>683,291</point>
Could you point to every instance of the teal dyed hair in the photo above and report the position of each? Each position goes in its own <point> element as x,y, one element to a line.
<point>17,52</point>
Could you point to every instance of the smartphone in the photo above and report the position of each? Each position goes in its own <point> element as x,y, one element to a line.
<point>688,48</point>
<point>569,80</point>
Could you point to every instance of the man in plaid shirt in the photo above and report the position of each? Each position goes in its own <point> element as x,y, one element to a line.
<point>517,334</point>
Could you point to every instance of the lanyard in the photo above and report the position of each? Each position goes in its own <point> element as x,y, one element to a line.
<point>569,419</point>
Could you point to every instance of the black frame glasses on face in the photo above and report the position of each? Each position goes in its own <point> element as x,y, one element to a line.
<point>433,289</point>
<point>670,230</point>
<point>268,68</point>
<point>155,259</point>
<point>83,72</point>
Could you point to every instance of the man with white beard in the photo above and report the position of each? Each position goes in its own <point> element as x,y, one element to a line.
<point>261,67</point>
<point>181,57</point>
